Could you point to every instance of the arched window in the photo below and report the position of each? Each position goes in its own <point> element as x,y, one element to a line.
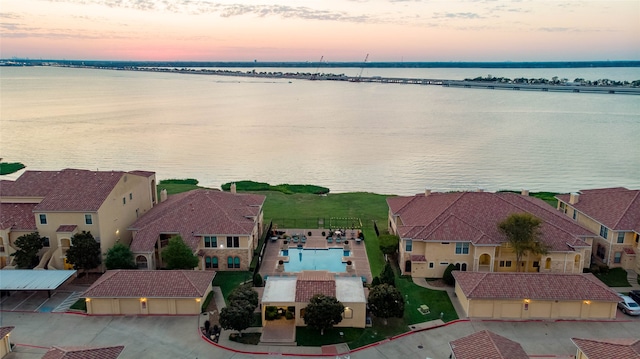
<point>547,264</point>
<point>214,262</point>
<point>141,262</point>
<point>229,262</point>
<point>463,267</point>
<point>236,262</point>
<point>207,262</point>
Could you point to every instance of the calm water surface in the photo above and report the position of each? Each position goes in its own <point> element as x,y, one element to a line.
<point>383,138</point>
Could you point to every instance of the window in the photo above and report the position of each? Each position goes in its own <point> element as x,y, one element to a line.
<point>617,257</point>
<point>43,219</point>
<point>463,267</point>
<point>575,214</point>
<point>210,242</point>
<point>236,262</point>
<point>130,196</point>
<point>505,264</point>
<point>408,246</point>
<point>620,237</point>
<point>508,264</point>
<point>462,248</point>
<point>229,262</point>
<point>536,264</point>
<point>444,263</point>
<point>233,242</point>
<point>207,262</point>
<point>501,263</point>
<point>600,251</point>
<point>88,219</point>
<point>604,231</point>
<point>214,262</point>
<point>431,264</point>
<point>563,207</point>
<point>124,200</point>
<point>46,242</point>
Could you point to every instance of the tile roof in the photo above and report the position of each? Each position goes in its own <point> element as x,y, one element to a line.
<point>142,173</point>
<point>487,345</point>
<point>609,348</point>
<point>83,352</point>
<point>5,330</point>
<point>17,216</point>
<point>151,284</point>
<point>617,208</point>
<point>65,190</point>
<point>474,217</point>
<point>196,213</point>
<point>306,289</point>
<point>535,286</point>
<point>66,228</point>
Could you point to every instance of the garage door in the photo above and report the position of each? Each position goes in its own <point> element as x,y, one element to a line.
<point>482,309</point>
<point>158,306</point>
<point>600,310</point>
<point>540,310</point>
<point>511,310</point>
<point>101,306</point>
<point>129,306</point>
<point>569,309</point>
<point>187,306</point>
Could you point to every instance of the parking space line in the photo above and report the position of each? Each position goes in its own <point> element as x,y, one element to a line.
<point>27,298</point>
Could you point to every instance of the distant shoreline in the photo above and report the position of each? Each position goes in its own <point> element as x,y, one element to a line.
<point>324,64</point>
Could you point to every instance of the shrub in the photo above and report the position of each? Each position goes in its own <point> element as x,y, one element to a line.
<point>257,280</point>
<point>387,276</point>
<point>271,313</point>
<point>288,315</point>
<point>604,269</point>
<point>595,269</point>
<point>348,263</point>
<point>447,277</point>
<point>375,281</point>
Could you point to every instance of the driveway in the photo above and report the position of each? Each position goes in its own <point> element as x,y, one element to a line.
<point>179,337</point>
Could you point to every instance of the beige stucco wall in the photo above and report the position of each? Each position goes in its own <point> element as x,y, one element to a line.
<point>136,306</point>
<point>358,319</point>
<point>5,346</point>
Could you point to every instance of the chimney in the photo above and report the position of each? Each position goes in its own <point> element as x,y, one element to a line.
<point>574,198</point>
<point>427,192</point>
<point>525,192</point>
<point>233,188</point>
<point>163,195</point>
<point>480,190</point>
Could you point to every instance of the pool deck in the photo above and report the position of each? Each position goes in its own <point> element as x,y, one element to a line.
<point>316,240</point>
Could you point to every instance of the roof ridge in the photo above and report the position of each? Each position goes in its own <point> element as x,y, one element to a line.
<point>482,276</point>
<point>193,286</point>
<point>458,218</point>
<point>629,206</point>
<point>492,338</point>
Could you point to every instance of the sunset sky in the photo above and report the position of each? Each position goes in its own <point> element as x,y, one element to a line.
<point>305,30</point>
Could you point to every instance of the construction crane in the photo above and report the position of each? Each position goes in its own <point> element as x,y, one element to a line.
<point>362,68</point>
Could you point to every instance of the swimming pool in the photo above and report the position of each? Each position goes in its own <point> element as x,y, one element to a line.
<point>316,259</point>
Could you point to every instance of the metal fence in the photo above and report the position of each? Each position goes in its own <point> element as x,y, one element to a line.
<point>317,223</point>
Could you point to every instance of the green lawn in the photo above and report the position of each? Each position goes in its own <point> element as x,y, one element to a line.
<point>437,301</point>
<point>228,281</point>
<point>10,167</point>
<point>616,277</point>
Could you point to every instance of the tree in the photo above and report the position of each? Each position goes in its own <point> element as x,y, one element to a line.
<point>323,312</point>
<point>447,277</point>
<point>236,317</point>
<point>84,252</point>
<point>244,293</point>
<point>523,231</point>
<point>388,276</point>
<point>28,247</point>
<point>119,257</point>
<point>386,301</point>
<point>178,255</point>
<point>388,243</point>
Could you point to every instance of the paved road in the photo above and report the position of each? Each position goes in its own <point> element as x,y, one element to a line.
<point>178,337</point>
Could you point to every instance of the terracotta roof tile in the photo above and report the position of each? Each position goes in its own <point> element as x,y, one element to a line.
<point>474,217</point>
<point>609,348</point>
<point>151,284</point>
<point>17,216</point>
<point>5,330</point>
<point>487,345</point>
<point>306,289</point>
<point>196,213</point>
<point>617,208</point>
<point>629,250</point>
<point>83,352</point>
<point>535,286</point>
<point>418,258</point>
<point>66,228</point>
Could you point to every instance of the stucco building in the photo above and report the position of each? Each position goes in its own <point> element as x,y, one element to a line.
<point>5,343</point>
<point>534,296</point>
<point>486,344</point>
<point>222,228</point>
<point>142,292</point>
<point>613,216</point>
<point>628,348</point>
<point>461,228</point>
<point>59,204</point>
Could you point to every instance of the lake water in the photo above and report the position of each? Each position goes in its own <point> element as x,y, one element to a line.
<point>384,138</point>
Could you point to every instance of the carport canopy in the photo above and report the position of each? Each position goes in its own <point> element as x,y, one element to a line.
<point>28,279</point>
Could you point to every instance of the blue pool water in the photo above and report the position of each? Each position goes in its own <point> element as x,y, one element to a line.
<point>316,259</point>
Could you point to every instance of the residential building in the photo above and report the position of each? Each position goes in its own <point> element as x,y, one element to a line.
<point>486,344</point>
<point>293,293</point>
<point>59,204</point>
<point>5,343</point>
<point>461,228</point>
<point>613,215</point>
<point>142,292</point>
<point>628,348</point>
<point>222,228</point>
<point>534,296</point>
